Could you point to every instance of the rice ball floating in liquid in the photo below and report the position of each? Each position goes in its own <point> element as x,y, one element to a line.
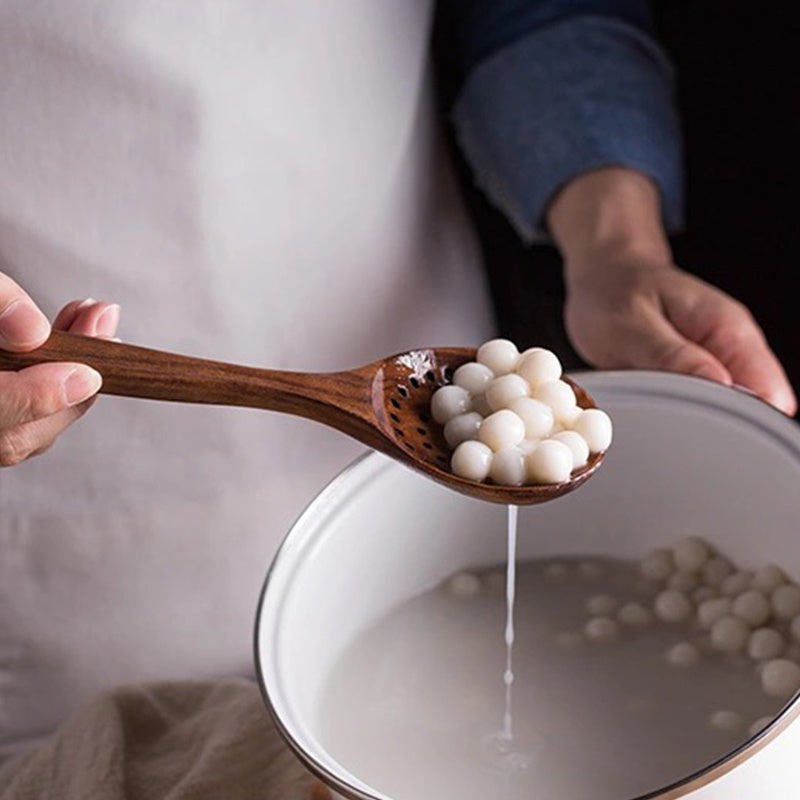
<point>765,643</point>
<point>729,634</point>
<point>752,607</point>
<point>691,553</point>
<point>780,678</point>
<point>673,606</point>
<point>768,578</point>
<point>786,601</point>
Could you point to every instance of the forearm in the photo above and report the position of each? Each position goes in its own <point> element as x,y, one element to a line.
<point>629,304</point>
<point>577,94</point>
<point>605,214</point>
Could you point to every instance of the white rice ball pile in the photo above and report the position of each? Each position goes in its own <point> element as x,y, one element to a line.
<point>472,460</point>
<point>722,614</point>
<point>501,429</point>
<point>462,428</point>
<point>499,355</point>
<point>481,405</point>
<point>518,408</point>
<point>724,609</point>
<point>757,612</point>
<point>537,416</point>
<point>508,467</point>
<point>576,443</point>
<point>473,377</point>
<point>560,397</point>
<point>538,366</point>
<point>503,391</point>
<point>448,402</point>
<point>593,424</point>
<point>550,462</point>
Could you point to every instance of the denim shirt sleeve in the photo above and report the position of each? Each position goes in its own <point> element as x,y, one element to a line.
<point>567,94</point>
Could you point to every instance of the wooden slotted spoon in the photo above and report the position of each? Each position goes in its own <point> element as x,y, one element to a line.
<point>384,405</point>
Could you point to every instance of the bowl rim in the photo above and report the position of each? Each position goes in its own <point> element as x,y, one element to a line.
<point>371,462</point>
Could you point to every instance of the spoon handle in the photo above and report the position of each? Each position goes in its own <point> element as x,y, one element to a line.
<point>340,399</point>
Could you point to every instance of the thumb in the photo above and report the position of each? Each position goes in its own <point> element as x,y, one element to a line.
<point>660,346</point>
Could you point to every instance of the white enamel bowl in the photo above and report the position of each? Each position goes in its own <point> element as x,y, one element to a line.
<point>688,455</point>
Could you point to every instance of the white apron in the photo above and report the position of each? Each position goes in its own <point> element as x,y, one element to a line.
<point>258,181</point>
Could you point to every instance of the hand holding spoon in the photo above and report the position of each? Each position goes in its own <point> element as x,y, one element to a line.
<point>384,405</point>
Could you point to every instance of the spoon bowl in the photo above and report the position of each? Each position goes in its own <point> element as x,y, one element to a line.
<point>406,382</point>
<point>384,405</point>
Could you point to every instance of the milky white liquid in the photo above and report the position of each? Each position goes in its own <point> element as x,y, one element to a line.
<point>506,758</point>
<point>507,733</point>
<point>412,706</point>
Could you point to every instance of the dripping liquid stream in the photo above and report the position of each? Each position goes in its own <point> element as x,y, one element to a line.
<point>507,730</point>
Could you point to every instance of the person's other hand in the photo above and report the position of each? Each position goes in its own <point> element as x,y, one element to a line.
<point>40,402</point>
<point>628,305</point>
<point>637,313</point>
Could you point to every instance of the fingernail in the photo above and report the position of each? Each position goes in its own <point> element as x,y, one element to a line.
<point>107,322</point>
<point>87,302</point>
<point>711,374</point>
<point>22,324</point>
<point>81,384</point>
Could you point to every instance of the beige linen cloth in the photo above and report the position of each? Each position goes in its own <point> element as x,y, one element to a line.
<point>182,740</point>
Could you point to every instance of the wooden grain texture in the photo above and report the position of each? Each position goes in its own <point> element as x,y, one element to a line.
<point>385,405</point>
